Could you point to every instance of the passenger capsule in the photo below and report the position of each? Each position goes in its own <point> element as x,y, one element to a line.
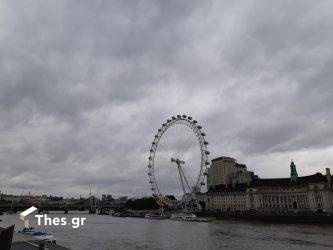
<point>199,127</point>
<point>203,134</point>
<point>149,166</point>
<point>163,124</point>
<point>168,120</point>
<point>173,118</point>
<point>153,143</point>
<point>179,116</point>
<point>149,174</point>
<point>150,182</point>
<point>151,150</point>
<point>206,142</point>
<point>153,189</point>
<point>185,116</point>
<point>149,158</point>
<point>194,121</point>
<point>207,152</point>
<point>207,163</point>
<point>202,183</point>
<point>156,136</point>
<point>190,118</point>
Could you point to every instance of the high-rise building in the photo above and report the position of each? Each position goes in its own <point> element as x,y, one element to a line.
<point>226,171</point>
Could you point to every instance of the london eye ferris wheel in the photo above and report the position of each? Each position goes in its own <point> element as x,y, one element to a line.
<point>178,160</point>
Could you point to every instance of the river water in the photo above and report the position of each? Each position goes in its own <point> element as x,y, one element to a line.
<point>107,232</point>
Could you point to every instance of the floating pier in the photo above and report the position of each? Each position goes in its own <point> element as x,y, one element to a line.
<point>11,240</point>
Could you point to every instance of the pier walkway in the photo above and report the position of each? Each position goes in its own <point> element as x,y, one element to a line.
<point>24,242</point>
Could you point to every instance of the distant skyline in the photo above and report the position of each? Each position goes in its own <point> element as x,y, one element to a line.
<point>85,85</point>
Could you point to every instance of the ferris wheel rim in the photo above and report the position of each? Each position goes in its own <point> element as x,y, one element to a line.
<point>200,136</point>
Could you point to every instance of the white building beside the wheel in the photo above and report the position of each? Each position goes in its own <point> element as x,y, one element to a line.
<point>232,188</point>
<point>226,182</point>
<point>311,193</point>
<point>226,171</point>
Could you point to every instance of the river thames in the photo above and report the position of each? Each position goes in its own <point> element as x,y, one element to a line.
<point>107,232</point>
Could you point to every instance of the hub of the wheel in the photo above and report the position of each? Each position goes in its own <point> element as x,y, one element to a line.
<point>176,160</point>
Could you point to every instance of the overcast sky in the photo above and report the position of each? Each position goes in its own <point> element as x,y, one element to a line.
<point>84,85</point>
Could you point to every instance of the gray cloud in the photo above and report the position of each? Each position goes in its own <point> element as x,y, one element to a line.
<point>84,86</point>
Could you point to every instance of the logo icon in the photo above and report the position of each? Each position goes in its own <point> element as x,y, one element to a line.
<point>24,214</point>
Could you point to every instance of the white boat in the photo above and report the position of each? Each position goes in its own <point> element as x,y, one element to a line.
<point>184,217</point>
<point>203,220</point>
<point>157,216</point>
<point>38,235</point>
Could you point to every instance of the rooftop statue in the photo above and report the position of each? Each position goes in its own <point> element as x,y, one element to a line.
<point>293,172</point>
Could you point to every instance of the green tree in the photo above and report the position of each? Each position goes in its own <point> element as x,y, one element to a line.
<point>142,203</point>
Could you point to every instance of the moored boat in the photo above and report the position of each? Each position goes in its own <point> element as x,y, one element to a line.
<point>184,217</point>
<point>119,214</point>
<point>203,220</point>
<point>38,235</point>
<point>157,216</point>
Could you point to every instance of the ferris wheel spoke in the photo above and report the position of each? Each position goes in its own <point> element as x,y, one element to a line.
<point>176,141</point>
<point>182,145</point>
<point>194,159</point>
<point>167,143</point>
<point>163,147</point>
<point>188,141</point>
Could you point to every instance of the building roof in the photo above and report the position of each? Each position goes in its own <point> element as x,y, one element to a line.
<point>315,178</point>
<point>237,165</point>
<point>224,158</point>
